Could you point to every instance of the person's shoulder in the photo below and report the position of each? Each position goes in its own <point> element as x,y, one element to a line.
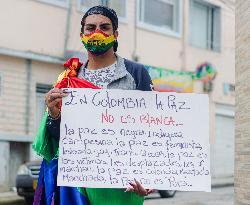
<point>140,75</point>
<point>133,66</point>
<point>135,69</point>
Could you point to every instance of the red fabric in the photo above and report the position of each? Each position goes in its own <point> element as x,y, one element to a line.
<point>74,82</point>
<point>70,80</point>
<point>69,63</point>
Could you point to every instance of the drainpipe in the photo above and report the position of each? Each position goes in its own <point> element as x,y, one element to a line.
<point>184,36</point>
<point>28,95</point>
<point>134,55</point>
<point>66,39</point>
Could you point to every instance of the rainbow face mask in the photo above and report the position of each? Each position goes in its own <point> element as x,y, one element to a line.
<point>98,42</point>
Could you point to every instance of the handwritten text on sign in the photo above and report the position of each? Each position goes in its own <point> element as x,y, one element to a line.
<point>110,137</point>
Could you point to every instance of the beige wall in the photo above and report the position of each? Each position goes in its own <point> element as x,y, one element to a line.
<point>46,73</point>
<point>166,51</point>
<point>13,95</point>
<point>29,25</point>
<point>242,138</point>
<point>40,28</point>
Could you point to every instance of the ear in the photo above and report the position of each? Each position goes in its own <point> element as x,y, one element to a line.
<point>81,34</point>
<point>116,34</point>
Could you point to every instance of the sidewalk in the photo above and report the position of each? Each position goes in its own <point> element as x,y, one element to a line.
<point>11,198</point>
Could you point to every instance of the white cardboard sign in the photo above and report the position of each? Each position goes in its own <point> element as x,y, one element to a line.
<point>108,138</point>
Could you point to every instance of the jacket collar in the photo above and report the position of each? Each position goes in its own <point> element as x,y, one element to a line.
<point>120,70</point>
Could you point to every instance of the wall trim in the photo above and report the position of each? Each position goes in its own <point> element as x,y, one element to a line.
<point>225,110</point>
<point>31,56</point>
<point>16,138</point>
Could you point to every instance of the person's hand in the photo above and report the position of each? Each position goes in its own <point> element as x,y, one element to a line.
<point>53,100</point>
<point>138,189</point>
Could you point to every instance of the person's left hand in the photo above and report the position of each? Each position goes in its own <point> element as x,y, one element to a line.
<point>138,189</point>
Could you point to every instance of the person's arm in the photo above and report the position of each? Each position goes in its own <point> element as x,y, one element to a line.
<point>53,127</point>
<point>144,81</point>
<point>140,74</point>
<point>53,101</point>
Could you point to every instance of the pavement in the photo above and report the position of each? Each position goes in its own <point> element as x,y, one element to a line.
<point>218,196</point>
<point>11,197</point>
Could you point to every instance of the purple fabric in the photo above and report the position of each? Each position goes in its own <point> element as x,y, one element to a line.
<point>48,193</point>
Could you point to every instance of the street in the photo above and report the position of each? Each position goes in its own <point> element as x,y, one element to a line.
<point>218,196</point>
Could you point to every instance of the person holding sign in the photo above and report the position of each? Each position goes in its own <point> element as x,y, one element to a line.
<point>104,69</point>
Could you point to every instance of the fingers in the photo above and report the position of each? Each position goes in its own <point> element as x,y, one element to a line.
<point>150,191</point>
<point>135,187</point>
<point>140,190</point>
<point>53,99</point>
<point>54,102</point>
<point>54,94</point>
<point>130,189</point>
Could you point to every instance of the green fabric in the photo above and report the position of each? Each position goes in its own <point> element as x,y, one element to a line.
<point>82,190</point>
<point>107,196</point>
<point>45,145</point>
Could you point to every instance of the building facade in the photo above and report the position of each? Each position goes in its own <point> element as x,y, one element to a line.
<point>242,136</point>
<point>38,35</point>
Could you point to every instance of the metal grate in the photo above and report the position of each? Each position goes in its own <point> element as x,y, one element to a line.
<point>42,88</point>
<point>34,170</point>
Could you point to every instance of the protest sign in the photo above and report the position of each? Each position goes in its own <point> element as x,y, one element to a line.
<point>108,138</point>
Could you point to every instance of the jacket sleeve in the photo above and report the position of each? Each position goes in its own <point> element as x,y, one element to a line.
<point>140,74</point>
<point>53,127</point>
<point>144,81</point>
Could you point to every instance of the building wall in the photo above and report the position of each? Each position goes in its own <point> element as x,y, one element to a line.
<point>163,50</point>
<point>33,26</point>
<point>40,29</point>
<point>4,165</point>
<point>242,137</point>
<point>17,121</point>
<point>13,95</point>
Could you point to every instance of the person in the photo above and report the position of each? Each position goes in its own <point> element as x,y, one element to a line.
<point>105,69</point>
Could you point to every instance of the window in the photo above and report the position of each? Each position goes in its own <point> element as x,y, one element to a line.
<point>118,5</point>
<point>160,15</point>
<point>61,3</point>
<point>90,3</point>
<point>41,90</point>
<point>204,25</point>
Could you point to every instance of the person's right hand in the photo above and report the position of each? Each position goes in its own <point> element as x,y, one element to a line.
<point>53,101</point>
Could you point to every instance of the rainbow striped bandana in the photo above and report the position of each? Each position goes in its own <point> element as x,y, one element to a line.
<point>98,42</point>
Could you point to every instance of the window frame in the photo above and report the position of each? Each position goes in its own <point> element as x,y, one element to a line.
<point>58,3</point>
<point>1,84</point>
<point>40,91</point>
<point>83,9</point>
<point>121,18</point>
<point>178,19</point>
<point>212,10</point>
